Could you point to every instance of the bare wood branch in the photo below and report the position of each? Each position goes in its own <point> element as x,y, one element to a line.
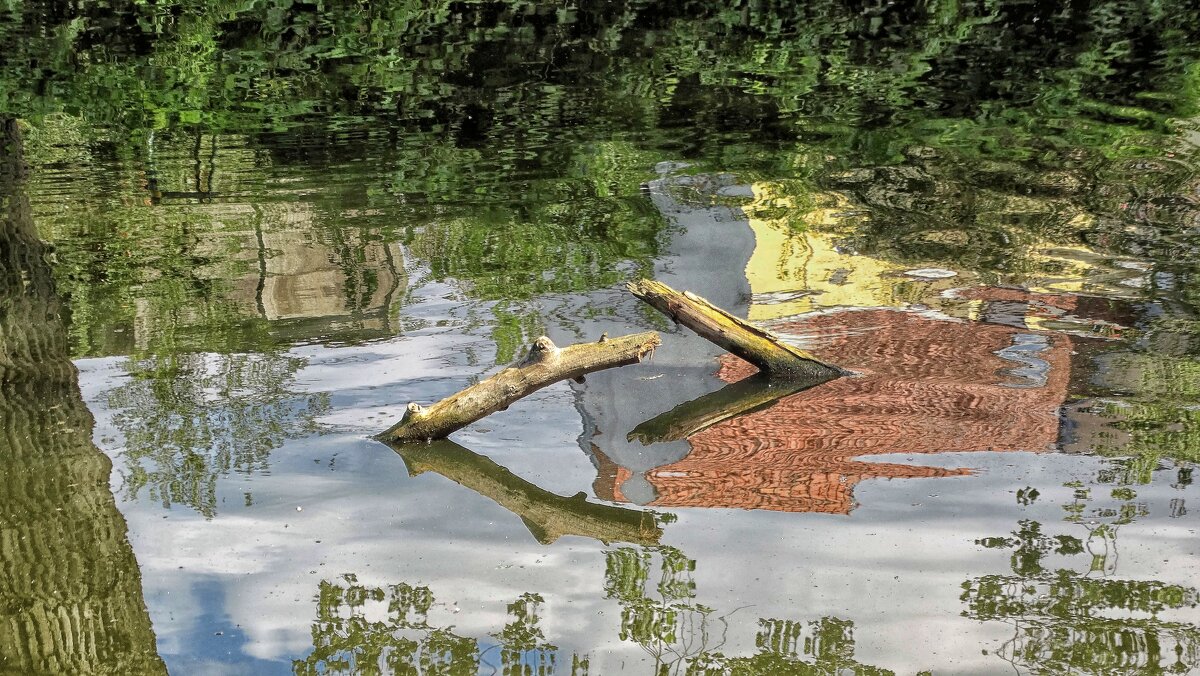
<point>548,516</point>
<point>546,364</point>
<point>757,346</point>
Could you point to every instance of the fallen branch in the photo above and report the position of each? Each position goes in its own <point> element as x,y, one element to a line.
<point>547,516</point>
<point>545,365</point>
<point>757,346</point>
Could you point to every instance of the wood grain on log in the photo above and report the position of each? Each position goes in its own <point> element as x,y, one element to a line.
<point>546,364</point>
<point>757,346</point>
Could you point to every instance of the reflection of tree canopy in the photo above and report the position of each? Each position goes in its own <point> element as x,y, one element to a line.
<point>402,641</point>
<point>821,648</point>
<point>683,636</point>
<point>189,419</point>
<point>362,629</point>
<point>181,275</point>
<point>523,647</point>
<point>1156,410</point>
<point>661,616</point>
<point>346,642</point>
<point>1070,622</point>
<point>1148,402</point>
<point>867,63</point>
<point>967,130</point>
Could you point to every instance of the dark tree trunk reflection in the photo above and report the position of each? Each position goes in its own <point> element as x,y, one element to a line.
<point>70,588</point>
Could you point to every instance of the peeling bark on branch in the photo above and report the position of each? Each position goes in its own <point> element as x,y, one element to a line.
<point>546,364</point>
<point>757,346</point>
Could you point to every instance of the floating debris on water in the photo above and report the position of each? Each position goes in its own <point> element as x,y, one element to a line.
<point>931,273</point>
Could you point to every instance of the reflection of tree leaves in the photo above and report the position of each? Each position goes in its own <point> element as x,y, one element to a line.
<point>1156,410</point>
<point>189,419</point>
<point>662,616</point>
<point>523,646</point>
<point>821,648</point>
<point>1063,623</point>
<point>965,132</point>
<point>1030,546</point>
<point>345,642</point>
<point>404,642</point>
<point>684,636</point>
<point>625,573</point>
<point>1069,622</point>
<point>1065,594</point>
<point>663,619</point>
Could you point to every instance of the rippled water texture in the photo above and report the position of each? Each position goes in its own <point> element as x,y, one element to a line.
<point>236,239</point>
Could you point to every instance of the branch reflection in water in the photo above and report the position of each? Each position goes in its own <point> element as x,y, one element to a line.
<point>547,515</point>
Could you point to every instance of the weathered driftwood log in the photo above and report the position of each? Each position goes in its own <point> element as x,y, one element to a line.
<point>751,394</point>
<point>546,364</point>
<point>757,346</point>
<point>547,516</point>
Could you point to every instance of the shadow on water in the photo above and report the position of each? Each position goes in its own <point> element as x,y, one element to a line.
<point>70,588</point>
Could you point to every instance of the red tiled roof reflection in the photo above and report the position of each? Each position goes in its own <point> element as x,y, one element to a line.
<point>925,385</point>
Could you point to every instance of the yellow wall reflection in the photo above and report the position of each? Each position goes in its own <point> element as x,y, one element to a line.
<point>795,270</point>
<point>943,364</point>
<point>801,263</point>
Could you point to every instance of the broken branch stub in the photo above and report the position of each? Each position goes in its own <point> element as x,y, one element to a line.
<point>757,346</point>
<point>546,364</point>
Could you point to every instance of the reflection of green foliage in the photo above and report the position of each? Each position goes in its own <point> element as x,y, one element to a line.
<point>660,615</point>
<point>1027,496</point>
<point>188,273</point>
<point>1065,595</point>
<point>683,636</point>
<point>346,642</point>
<point>1064,623</point>
<point>1151,401</point>
<point>1161,417</point>
<point>967,131</point>
<point>1071,622</point>
<point>511,331</point>
<point>523,647</point>
<point>1029,546</point>
<point>189,419</point>
<point>506,142</point>
<point>506,253</point>
<point>783,644</point>
<point>665,616</point>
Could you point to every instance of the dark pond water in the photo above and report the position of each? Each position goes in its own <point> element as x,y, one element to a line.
<point>239,237</point>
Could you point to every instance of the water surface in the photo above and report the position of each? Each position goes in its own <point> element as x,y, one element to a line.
<point>259,231</point>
